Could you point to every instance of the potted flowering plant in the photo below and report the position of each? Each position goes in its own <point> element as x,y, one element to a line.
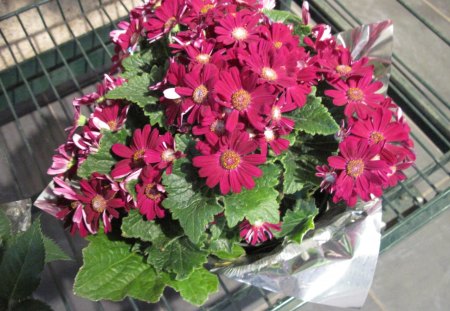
<point>217,137</point>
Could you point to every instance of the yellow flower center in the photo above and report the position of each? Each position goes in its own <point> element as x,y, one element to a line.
<point>240,99</point>
<point>98,203</point>
<point>138,155</point>
<point>112,125</point>
<point>168,155</point>
<point>269,74</point>
<point>170,23</point>
<point>343,69</point>
<point>202,58</point>
<point>355,167</point>
<point>206,8</point>
<point>230,160</point>
<point>355,94</point>
<point>200,94</point>
<point>151,192</point>
<point>239,33</point>
<point>376,137</point>
<point>278,44</point>
<point>74,204</point>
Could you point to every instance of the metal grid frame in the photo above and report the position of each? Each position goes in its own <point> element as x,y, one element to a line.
<point>31,85</point>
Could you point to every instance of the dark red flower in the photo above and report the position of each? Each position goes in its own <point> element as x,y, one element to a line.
<point>164,154</point>
<point>150,194</point>
<point>135,155</point>
<point>258,232</point>
<point>232,164</point>
<point>358,94</point>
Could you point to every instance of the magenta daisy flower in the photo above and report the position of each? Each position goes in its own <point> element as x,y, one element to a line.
<point>271,136</point>
<point>61,201</point>
<point>280,35</point>
<point>110,118</point>
<point>197,89</point>
<point>275,116</point>
<point>166,16</point>
<point>128,35</point>
<point>379,128</point>
<point>238,29</point>
<point>342,66</point>
<point>164,154</point>
<point>232,164</point>
<point>150,194</point>
<point>64,161</point>
<point>135,155</point>
<point>100,201</point>
<point>328,176</point>
<point>358,94</point>
<point>200,52</point>
<point>359,173</point>
<point>243,97</point>
<point>268,63</point>
<point>258,232</point>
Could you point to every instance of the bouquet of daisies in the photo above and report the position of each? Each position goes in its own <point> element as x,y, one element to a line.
<point>224,130</point>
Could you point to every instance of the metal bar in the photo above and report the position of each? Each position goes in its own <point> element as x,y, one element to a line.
<point>52,86</point>
<point>71,73</point>
<point>80,46</point>
<point>424,21</point>
<point>93,29</point>
<point>23,9</point>
<point>416,220</point>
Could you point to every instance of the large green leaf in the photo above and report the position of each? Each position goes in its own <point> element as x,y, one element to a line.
<point>177,255</point>
<point>257,204</point>
<point>314,118</point>
<point>187,204</point>
<point>197,287</point>
<point>136,90</point>
<point>135,226</point>
<point>22,264</point>
<point>53,251</point>
<point>225,249</point>
<point>298,221</point>
<point>138,63</point>
<point>103,160</point>
<point>292,182</point>
<point>110,271</point>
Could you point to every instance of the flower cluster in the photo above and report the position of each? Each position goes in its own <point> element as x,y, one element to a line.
<point>234,79</point>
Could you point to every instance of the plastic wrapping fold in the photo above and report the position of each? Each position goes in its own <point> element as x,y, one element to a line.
<point>335,263</point>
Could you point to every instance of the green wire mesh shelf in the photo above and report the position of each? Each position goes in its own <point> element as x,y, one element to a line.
<point>54,50</point>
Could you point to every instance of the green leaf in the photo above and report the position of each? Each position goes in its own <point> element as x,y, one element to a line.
<point>53,251</point>
<point>298,221</point>
<point>225,249</point>
<point>137,63</point>
<point>110,271</point>
<point>257,204</point>
<point>282,16</point>
<point>135,226</point>
<point>103,160</point>
<point>177,255</point>
<point>288,18</point>
<point>31,304</point>
<point>193,210</point>
<point>136,90</point>
<point>5,226</point>
<point>314,118</point>
<point>22,264</point>
<point>291,181</point>
<point>197,287</point>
